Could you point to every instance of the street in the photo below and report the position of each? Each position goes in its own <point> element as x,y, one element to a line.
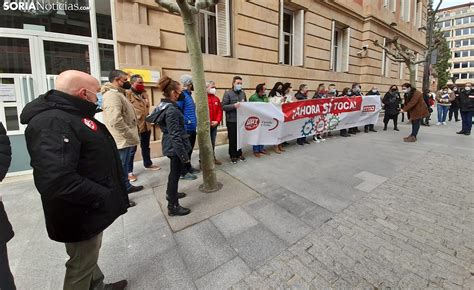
<point>369,211</point>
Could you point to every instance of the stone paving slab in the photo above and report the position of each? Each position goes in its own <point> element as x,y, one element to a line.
<point>205,205</point>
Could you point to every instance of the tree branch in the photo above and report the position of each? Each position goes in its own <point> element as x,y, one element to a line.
<point>204,4</point>
<point>388,51</point>
<point>169,5</point>
<point>437,7</point>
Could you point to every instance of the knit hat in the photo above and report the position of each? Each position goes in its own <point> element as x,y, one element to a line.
<point>186,80</point>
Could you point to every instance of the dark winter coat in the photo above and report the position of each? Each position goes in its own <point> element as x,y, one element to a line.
<point>466,101</point>
<point>300,96</point>
<point>175,140</point>
<point>391,103</point>
<point>230,98</point>
<point>76,167</point>
<point>415,106</point>
<point>6,231</point>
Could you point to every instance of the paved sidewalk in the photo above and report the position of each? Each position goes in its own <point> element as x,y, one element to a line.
<point>366,211</point>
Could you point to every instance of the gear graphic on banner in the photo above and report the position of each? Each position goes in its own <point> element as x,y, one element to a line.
<point>333,122</point>
<point>321,124</point>
<point>308,128</point>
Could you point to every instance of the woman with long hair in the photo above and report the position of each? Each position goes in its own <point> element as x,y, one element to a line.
<point>391,102</point>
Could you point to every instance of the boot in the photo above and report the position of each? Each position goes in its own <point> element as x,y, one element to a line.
<point>410,139</point>
<point>396,129</point>
<point>366,129</point>
<point>281,148</point>
<point>257,154</point>
<point>217,162</point>
<point>120,285</point>
<point>276,149</point>
<point>385,127</point>
<point>177,210</point>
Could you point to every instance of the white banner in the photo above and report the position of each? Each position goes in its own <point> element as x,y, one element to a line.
<point>268,124</point>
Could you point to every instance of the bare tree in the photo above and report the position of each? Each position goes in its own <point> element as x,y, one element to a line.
<point>430,44</point>
<point>400,53</point>
<point>189,12</point>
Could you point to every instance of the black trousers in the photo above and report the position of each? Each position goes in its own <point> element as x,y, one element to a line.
<point>6,277</point>
<point>192,140</point>
<point>453,110</point>
<point>176,167</point>
<point>232,135</point>
<point>387,118</point>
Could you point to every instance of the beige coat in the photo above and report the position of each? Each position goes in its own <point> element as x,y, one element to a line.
<point>119,117</point>
<point>141,104</point>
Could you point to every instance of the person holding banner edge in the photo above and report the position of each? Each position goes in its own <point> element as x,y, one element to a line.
<point>260,96</point>
<point>230,103</point>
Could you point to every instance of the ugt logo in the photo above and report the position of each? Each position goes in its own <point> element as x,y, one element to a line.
<point>252,123</point>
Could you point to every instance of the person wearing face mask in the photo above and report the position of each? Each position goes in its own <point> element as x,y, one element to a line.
<point>444,97</point>
<point>466,105</point>
<point>287,96</point>
<point>302,95</point>
<point>416,108</point>
<point>454,108</point>
<point>140,101</point>
<point>174,142</point>
<point>332,91</point>
<point>373,92</point>
<point>356,92</point>
<point>321,93</point>
<point>260,96</point>
<point>120,118</point>
<point>215,114</point>
<point>391,102</point>
<point>188,107</point>
<point>78,173</point>
<point>276,94</point>
<point>346,92</point>
<point>230,103</point>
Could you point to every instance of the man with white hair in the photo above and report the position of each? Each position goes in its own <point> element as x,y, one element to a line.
<point>78,172</point>
<point>188,107</point>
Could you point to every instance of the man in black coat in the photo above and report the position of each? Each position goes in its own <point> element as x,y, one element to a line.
<point>6,231</point>
<point>466,104</point>
<point>78,172</point>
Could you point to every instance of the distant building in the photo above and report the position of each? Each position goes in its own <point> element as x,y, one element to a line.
<point>457,24</point>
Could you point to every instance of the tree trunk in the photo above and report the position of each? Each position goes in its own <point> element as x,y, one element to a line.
<point>412,69</point>
<point>203,127</point>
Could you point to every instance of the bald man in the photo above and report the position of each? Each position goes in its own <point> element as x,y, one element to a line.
<point>78,172</point>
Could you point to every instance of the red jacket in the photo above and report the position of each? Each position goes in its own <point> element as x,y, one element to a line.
<point>215,108</point>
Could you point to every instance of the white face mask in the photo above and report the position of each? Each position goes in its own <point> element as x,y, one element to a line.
<point>404,90</point>
<point>212,91</point>
<point>468,88</point>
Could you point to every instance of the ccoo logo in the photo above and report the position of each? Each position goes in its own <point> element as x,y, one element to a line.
<point>252,123</point>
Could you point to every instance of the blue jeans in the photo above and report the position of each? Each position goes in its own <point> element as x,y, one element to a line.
<point>257,148</point>
<point>415,127</point>
<point>125,156</point>
<point>466,121</point>
<point>145,147</point>
<point>442,113</point>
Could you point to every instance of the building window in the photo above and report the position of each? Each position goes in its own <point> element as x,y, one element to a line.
<point>458,32</point>
<point>214,29</point>
<point>103,16</point>
<point>401,70</point>
<point>107,60</point>
<point>418,12</point>
<point>465,53</point>
<point>447,23</point>
<point>340,47</point>
<point>464,64</point>
<point>291,36</point>
<point>456,76</point>
<point>463,76</point>
<point>15,55</point>
<point>405,10</point>
<point>457,65</point>
<point>447,34</point>
<point>207,30</point>
<point>471,64</point>
<point>458,21</point>
<point>287,36</point>
<point>390,4</point>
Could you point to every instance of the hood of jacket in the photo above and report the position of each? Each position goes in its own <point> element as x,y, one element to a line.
<point>58,100</point>
<point>161,109</point>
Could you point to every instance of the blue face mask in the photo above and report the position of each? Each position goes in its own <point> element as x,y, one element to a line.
<point>238,88</point>
<point>100,100</point>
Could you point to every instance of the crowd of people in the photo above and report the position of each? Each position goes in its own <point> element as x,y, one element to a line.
<point>83,168</point>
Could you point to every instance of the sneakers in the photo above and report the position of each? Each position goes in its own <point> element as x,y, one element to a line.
<point>135,189</point>
<point>234,160</point>
<point>152,167</point>
<point>460,132</point>
<point>444,123</point>
<point>242,158</point>
<point>439,123</point>
<point>132,177</point>
<point>189,176</point>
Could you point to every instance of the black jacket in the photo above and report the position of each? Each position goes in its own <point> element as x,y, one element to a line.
<point>175,140</point>
<point>300,96</point>
<point>6,231</point>
<point>466,103</point>
<point>391,103</point>
<point>76,166</point>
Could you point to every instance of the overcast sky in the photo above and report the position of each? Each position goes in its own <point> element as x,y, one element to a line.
<point>449,3</point>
